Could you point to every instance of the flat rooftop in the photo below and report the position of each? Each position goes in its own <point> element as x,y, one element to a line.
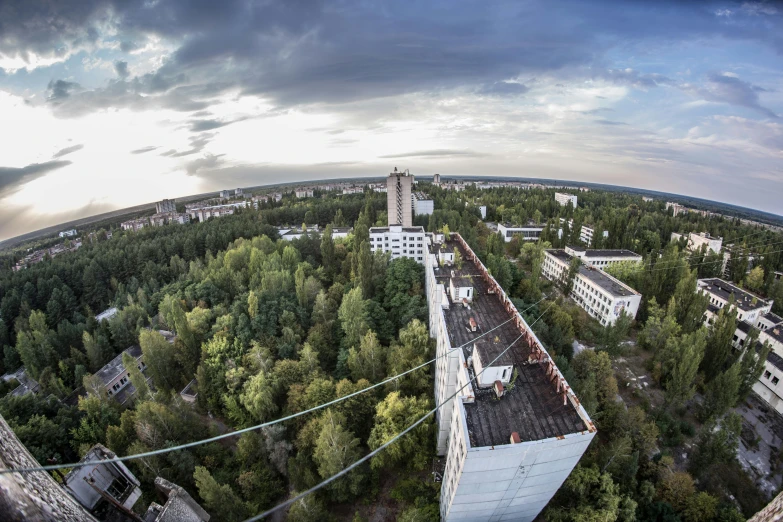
<point>531,406</point>
<point>380,230</point>
<point>599,277</point>
<point>743,299</point>
<point>115,367</point>
<point>597,252</point>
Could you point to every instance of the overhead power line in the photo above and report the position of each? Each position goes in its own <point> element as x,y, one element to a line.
<point>390,441</point>
<point>216,438</point>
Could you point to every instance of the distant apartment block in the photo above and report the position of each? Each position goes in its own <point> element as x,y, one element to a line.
<point>291,233</point>
<point>165,205</point>
<point>304,193</point>
<point>135,224</point>
<point>698,240</point>
<point>68,233</point>
<point>399,241</point>
<point>529,232</point>
<point>601,295</point>
<point>603,258</point>
<point>646,199</point>
<point>511,428</point>
<point>398,198</point>
<point>586,233</point>
<point>749,306</point>
<point>422,205</point>
<point>169,218</point>
<point>216,211</point>
<point>483,211</point>
<point>225,194</point>
<point>239,192</point>
<point>436,179</point>
<point>564,199</point>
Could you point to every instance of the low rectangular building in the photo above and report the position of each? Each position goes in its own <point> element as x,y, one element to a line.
<point>135,224</point>
<point>116,379</point>
<point>601,257</point>
<point>422,205</point>
<point>103,486</point>
<point>700,239</point>
<point>106,314</point>
<point>68,233</point>
<point>601,295</point>
<point>399,241</point>
<point>526,233</point>
<point>750,307</point>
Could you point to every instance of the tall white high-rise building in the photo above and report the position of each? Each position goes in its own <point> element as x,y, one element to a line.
<point>398,197</point>
<point>511,428</point>
<point>564,199</point>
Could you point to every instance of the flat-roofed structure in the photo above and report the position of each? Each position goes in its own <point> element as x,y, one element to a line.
<point>509,443</point>
<point>400,241</point>
<point>116,378</point>
<point>601,295</point>
<point>529,232</point>
<point>603,257</point>
<point>750,307</point>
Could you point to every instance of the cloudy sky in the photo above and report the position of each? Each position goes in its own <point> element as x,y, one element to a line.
<point>110,103</point>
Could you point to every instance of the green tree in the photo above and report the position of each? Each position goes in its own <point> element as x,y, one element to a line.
<point>690,305</point>
<point>35,346</point>
<point>353,317</point>
<point>721,393</point>
<point>137,378</point>
<point>393,415</point>
<point>327,248</point>
<point>412,351</point>
<point>589,495</point>
<point>719,343</point>
<point>717,446</point>
<point>308,509</point>
<point>752,363</point>
<point>219,499</point>
<point>615,333</point>
<point>661,325</point>
<point>369,360</point>
<point>336,449</point>
<point>680,383</point>
<point>755,279</point>
<point>160,358</point>
<point>569,276</point>
<point>258,396</point>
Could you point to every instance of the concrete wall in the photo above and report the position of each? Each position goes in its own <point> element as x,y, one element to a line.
<point>509,482</point>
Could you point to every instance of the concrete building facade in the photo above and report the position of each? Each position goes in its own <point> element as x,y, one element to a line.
<point>526,233</point>
<point>422,205</point>
<point>564,199</point>
<point>504,461</point>
<point>601,295</point>
<point>165,205</point>
<point>601,257</point>
<point>399,186</point>
<point>400,241</point>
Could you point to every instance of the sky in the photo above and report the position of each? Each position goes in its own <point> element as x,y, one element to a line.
<point>106,104</point>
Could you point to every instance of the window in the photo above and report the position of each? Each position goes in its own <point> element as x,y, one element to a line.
<point>775,381</point>
<point>767,375</point>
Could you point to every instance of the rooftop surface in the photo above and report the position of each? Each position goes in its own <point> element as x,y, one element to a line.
<point>775,333</point>
<point>115,367</point>
<point>592,252</point>
<point>531,406</point>
<point>743,299</point>
<point>379,230</point>
<point>599,277</point>
<point>773,318</point>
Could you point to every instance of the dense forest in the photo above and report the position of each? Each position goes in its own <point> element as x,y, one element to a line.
<point>268,328</point>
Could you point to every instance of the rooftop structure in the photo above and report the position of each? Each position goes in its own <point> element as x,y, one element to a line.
<point>398,197</point>
<point>399,241</point>
<point>106,314</point>
<point>602,257</point>
<point>103,487</point>
<point>32,496</point>
<point>721,292</point>
<point>189,393</point>
<point>26,383</point>
<point>511,443</point>
<point>564,199</point>
<point>601,295</point>
<point>179,506</point>
<point>115,377</point>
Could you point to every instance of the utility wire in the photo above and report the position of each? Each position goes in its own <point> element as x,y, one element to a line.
<point>192,444</point>
<point>390,441</point>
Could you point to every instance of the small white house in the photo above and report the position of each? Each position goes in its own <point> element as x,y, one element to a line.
<point>491,362</point>
<point>445,257</point>
<point>461,287</point>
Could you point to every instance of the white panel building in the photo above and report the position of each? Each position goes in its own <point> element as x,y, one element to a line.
<point>601,295</point>
<point>527,233</point>
<point>564,199</point>
<point>601,257</point>
<point>399,241</point>
<point>504,460</point>
<point>422,205</point>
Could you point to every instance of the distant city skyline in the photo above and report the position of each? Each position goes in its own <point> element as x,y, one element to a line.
<point>111,104</point>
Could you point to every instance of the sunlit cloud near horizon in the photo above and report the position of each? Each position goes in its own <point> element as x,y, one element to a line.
<point>105,105</point>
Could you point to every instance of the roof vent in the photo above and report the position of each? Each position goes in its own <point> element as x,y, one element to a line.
<point>776,331</point>
<point>515,438</point>
<point>473,325</point>
<point>499,390</point>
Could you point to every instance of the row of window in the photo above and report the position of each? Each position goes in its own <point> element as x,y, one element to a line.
<point>774,380</point>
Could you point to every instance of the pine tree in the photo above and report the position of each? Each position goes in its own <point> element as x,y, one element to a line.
<point>719,342</point>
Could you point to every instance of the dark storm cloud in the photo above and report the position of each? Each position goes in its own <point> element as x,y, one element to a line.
<point>67,150</point>
<point>437,153</point>
<point>121,68</point>
<point>723,88</point>
<point>60,89</point>
<point>145,149</point>
<point>13,178</point>
<point>325,52</point>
